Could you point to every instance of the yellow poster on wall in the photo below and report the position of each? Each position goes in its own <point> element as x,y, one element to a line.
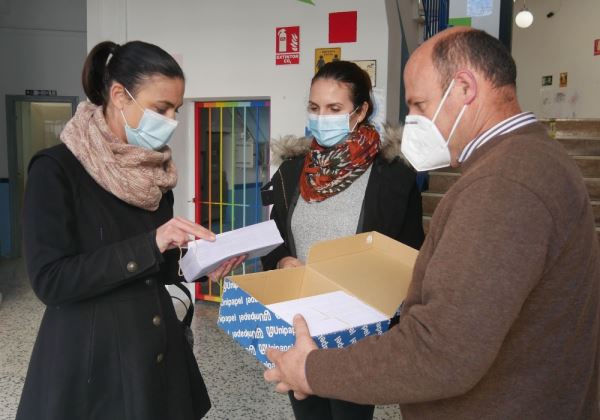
<point>326,55</point>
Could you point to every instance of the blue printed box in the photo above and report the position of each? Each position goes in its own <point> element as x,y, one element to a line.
<point>369,266</point>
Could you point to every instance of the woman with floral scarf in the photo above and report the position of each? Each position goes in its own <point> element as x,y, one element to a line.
<point>340,181</point>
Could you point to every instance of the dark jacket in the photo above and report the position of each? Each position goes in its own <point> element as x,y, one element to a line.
<point>110,345</point>
<point>392,203</point>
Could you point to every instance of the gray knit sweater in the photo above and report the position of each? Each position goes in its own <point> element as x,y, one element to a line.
<point>332,218</point>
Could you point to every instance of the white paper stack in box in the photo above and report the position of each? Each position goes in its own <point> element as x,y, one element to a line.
<point>255,241</point>
<point>369,266</point>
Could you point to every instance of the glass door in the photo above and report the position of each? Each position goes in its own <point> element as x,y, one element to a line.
<point>33,123</point>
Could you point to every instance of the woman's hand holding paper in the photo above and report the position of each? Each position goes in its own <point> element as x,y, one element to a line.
<point>178,231</point>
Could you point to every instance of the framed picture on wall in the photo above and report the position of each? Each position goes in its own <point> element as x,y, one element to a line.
<point>564,78</point>
<point>370,66</point>
<point>547,80</point>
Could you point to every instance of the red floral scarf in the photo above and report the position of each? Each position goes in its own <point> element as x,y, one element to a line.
<point>327,172</point>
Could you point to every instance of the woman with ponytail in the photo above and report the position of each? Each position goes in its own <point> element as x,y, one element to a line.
<point>100,244</point>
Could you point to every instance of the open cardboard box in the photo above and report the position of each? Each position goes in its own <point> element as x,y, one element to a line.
<point>370,266</point>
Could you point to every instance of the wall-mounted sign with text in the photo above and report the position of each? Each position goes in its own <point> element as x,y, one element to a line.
<point>287,45</point>
<point>40,92</point>
<point>326,55</point>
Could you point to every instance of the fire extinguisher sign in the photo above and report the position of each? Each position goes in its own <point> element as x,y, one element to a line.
<point>287,45</point>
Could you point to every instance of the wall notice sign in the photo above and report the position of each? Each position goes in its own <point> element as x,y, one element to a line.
<point>597,47</point>
<point>547,80</point>
<point>370,66</point>
<point>40,92</point>
<point>564,78</point>
<point>479,7</point>
<point>326,55</point>
<point>287,45</point>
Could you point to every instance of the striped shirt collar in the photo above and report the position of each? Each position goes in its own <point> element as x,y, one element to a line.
<point>503,127</point>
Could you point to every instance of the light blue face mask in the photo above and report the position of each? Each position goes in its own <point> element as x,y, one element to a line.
<point>154,130</point>
<point>330,130</point>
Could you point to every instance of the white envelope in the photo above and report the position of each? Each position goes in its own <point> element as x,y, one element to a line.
<point>202,256</point>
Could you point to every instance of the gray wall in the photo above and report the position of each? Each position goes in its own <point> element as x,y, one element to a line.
<point>42,45</point>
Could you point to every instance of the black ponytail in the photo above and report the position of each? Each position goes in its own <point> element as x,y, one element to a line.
<point>94,71</point>
<point>129,64</point>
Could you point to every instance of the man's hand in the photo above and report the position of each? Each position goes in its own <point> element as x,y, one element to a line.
<point>289,372</point>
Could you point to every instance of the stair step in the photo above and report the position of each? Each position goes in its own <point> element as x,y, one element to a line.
<point>440,182</point>
<point>426,221</point>
<point>593,187</point>
<point>578,146</point>
<point>430,202</point>
<point>573,127</point>
<point>589,165</point>
<point>596,210</point>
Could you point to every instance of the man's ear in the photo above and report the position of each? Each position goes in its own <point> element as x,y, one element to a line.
<point>467,84</point>
<point>118,96</point>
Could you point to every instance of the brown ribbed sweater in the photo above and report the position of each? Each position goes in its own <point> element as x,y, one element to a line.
<point>502,316</point>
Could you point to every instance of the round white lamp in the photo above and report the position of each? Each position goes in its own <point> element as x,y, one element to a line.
<point>524,19</point>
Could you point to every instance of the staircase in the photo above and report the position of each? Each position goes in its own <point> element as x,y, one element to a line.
<point>440,181</point>
<point>581,139</point>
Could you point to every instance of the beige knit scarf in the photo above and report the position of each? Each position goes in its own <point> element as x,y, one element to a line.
<point>136,175</point>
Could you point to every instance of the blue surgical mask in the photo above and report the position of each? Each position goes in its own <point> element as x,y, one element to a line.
<point>330,130</point>
<point>154,130</point>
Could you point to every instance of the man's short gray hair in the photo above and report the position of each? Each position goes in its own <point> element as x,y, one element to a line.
<point>478,49</point>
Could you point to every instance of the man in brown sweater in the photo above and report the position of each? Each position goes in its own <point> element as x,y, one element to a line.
<point>502,316</point>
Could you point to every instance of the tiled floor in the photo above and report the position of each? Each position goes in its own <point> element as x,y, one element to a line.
<point>233,377</point>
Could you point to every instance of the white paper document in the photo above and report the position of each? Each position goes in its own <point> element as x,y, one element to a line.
<point>329,312</point>
<point>202,256</point>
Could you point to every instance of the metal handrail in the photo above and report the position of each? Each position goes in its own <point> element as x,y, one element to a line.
<point>436,16</point>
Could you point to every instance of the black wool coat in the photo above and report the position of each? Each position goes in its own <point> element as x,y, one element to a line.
<point>391,206</point>
<point>110,345</point>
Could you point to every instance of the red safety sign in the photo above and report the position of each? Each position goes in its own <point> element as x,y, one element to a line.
<point>287,45</point>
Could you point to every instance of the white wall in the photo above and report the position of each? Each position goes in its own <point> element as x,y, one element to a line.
<point>563,43</point>
<point>42,45</point>
<point>228,51</point>
<point>489,23</point>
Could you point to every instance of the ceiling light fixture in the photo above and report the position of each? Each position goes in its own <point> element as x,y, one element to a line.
<point>524,18</point>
